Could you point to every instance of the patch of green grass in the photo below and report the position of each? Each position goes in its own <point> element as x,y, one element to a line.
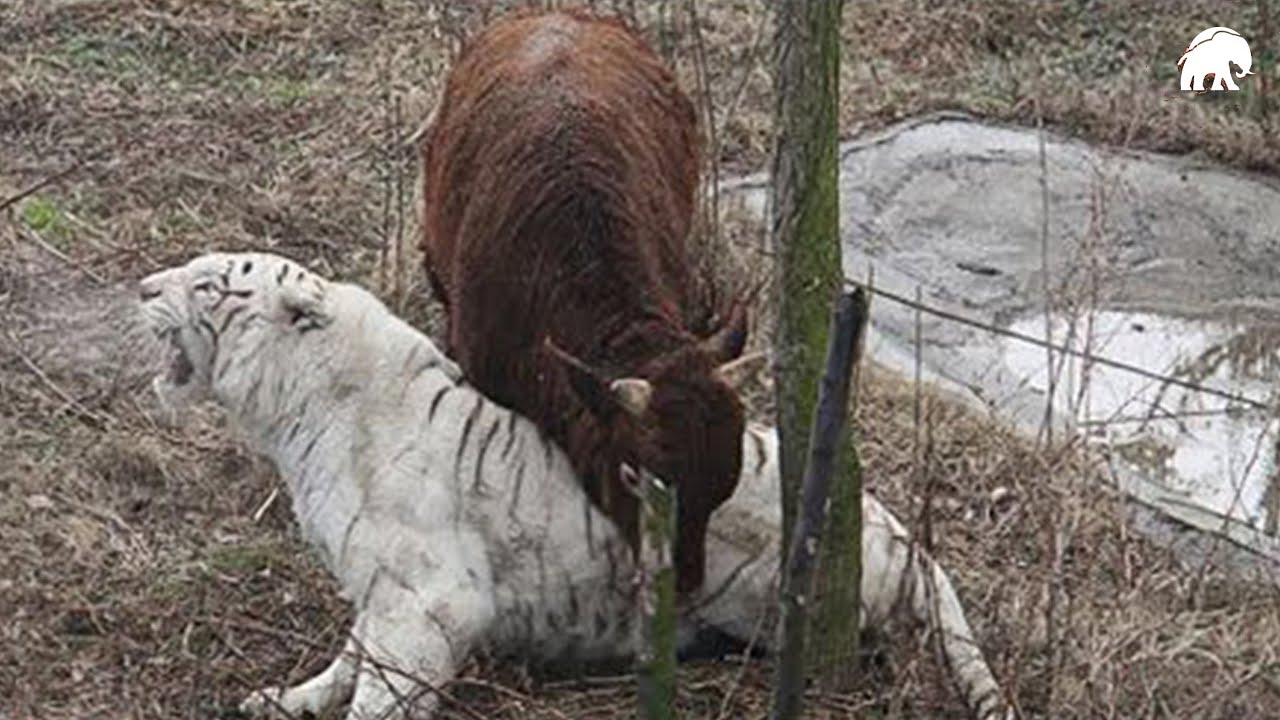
<point>170,586</point>
<point>289,89</point>
<point>284,90</point>
<point>108,57</point>
<point>39,214</point>
<point>88,52</point>
<point>135,61</point>
<point>45,217</point>
<point>243,558</point>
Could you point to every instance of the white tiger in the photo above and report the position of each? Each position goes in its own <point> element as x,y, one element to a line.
<point>452,523</point>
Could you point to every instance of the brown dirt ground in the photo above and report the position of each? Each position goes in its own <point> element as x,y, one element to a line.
<point>135,581</point>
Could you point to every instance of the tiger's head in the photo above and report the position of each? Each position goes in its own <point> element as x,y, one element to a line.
<point>208,310</point>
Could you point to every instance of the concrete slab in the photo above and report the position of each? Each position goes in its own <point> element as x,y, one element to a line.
<point>1164,263</point>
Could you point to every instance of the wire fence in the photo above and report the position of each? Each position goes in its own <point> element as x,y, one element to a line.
<point>1221,525</point>
<point>1064,349</point>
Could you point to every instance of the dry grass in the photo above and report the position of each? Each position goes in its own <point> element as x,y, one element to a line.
<point>135,581</point>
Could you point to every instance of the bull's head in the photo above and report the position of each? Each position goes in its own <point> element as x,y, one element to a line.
<point>634,395</point>
<point>678,416</point>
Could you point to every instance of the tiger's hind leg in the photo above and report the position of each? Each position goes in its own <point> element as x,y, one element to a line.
<point>315,696</point>
<point>413,638</point>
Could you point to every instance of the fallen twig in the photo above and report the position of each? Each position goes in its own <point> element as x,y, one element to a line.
<point>35,239</point>
<point>266,505</point>
<point>94,417</point>
<point>46,182</point>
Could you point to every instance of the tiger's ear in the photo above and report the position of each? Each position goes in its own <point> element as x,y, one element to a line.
<point>302,303</point>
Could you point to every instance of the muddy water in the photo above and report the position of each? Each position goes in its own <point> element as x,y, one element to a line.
<point>1211,451</point>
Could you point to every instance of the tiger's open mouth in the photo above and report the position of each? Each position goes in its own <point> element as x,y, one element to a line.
<point>180,367</point>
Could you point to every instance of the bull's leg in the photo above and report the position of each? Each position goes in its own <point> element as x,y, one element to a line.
<point>317,695</point>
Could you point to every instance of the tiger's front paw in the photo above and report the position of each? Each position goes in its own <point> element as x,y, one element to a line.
<point>314,697</point>
<point>268,703</point>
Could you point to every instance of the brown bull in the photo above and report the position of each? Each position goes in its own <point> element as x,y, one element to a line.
<point>560,181</point>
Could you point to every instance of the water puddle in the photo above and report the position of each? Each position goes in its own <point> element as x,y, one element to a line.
<point>1209,452</point>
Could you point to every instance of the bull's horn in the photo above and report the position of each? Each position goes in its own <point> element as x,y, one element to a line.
<point>633,394</point>
<point>730,372</point>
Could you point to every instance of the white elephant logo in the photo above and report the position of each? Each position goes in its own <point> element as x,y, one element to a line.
<point>1212,53</point>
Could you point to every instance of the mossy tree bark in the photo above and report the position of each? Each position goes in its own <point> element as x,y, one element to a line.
<point>656,624</point>
<point>804,234</point>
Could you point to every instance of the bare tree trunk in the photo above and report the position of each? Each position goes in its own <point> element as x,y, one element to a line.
<point>804,233</point>
<point>847,323</point>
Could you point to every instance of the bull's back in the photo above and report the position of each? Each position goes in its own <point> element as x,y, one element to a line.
<point>561,170</point>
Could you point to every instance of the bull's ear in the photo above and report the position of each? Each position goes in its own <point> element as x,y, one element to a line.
<point>600,396</point>
<point>588,384</point>
<point>302,303</point>
<point>728,342</point>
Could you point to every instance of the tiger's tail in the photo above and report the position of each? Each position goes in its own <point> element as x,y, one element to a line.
<point>910,579</point>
